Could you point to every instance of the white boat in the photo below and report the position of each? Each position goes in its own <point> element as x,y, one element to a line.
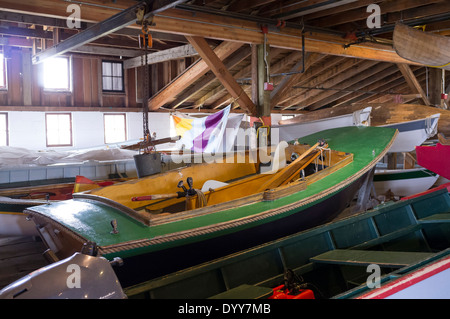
<point>289,132</point>
<point>413,133</point>
<point>403,182</point>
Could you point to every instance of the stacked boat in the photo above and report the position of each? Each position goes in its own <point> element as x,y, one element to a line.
<point>167,222</point>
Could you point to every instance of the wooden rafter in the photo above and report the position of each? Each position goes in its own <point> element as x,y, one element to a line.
<point>286,84</point>
<point>230,29</point>
<point>230,62</point>
<point>412,82</point>
<point>161,56</point>
<point>225,77</point>
<point>328,75</point>
<point>191,74</point>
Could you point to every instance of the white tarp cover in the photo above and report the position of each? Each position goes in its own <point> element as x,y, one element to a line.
<point>16,156</point>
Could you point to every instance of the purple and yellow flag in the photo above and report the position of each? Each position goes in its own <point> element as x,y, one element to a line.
<point>201,135</point>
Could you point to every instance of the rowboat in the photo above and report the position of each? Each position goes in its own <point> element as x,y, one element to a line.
<point>381,114</point>
<point>411,132</point>
<point>422,47</point>
<point>13,201</point>
<point>403,182</point>
<point>157,225</point>
<point>328,261</point>
<point>13,221</point>
<point>289,132</point>
<point>435,158</point>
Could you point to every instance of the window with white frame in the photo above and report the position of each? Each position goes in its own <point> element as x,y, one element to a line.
<point>112,76</point>
<point>57,74</point>
<point>58,129</point>
<point>115,128</point>
<point>3,129</point>
<point>2,72</point>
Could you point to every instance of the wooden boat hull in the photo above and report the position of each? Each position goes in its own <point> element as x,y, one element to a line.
<point>12,220</point>
<point>435,158</point>
<point>154,249</point>
<point>289,132</point>
<point>382,114</point>
<point>395,236</point>
<point>413,133</point>
<point>144,267</point>
<point>403,182</point>
<point>422,47</point>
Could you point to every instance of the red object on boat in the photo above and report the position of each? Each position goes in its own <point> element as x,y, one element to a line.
<point>281,292</point>
<point>446,185</point>
<point>435,158</point>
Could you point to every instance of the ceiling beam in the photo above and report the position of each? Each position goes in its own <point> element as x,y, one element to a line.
<point>104,50</point>
<point>343,80</point>
<point>311,9</point>
<point>194,72</point>
<point>230,62</point>
<point>411,79</point>
<point>161,56</point>
<point>110,25</point>
<point>184,22</point>
<point>233,29</point>
<point>287,82</point>
<point>222,73</point>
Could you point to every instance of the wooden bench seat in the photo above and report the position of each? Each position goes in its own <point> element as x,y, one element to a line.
<point>392,259</point>
<point>436,218</point>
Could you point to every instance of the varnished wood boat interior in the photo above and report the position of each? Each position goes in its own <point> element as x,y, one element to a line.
<point>240,183</point>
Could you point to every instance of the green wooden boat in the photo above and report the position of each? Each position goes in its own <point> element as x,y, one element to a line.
<point>157,227</point>
<point>330,260</point>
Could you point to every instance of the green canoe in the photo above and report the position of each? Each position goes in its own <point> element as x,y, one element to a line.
<point>330,260</point>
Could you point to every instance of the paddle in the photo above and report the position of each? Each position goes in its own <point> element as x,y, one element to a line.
<point>279,177</point>
<point>152,197</point>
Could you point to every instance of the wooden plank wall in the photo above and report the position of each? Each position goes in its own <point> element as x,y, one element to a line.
<point>25,83</point>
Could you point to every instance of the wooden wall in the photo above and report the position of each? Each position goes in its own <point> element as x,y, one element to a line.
<point>25,83</point>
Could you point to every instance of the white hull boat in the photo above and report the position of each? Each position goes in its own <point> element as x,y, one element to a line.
<point>289,132</point>
<point>403,182</point>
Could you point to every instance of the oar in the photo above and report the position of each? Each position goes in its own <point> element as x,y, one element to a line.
<point>152,197</point>
<point>279,177</point>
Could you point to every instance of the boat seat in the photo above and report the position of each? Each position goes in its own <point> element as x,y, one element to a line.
<point>436,218</point>
<point>391,259</point>
<point>245,292</point>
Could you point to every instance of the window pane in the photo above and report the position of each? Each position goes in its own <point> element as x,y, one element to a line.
<point>56,73</point>
<point>114,128</point>
<point>117,69</point>
<point>2,71</point>
<point>107,83</point>
<point>112,75</point>
<point>58,129</point>
<point>106,68</point>
<point>117,84</point>
<point>3,130</point>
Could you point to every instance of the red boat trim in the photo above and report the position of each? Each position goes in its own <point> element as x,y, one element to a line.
<point>447,185</point>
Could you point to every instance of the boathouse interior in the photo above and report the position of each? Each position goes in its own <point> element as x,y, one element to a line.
<point>203,56</point>
<point>80,74</point>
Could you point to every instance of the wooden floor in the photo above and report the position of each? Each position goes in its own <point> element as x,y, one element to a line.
<point>18,257</point>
